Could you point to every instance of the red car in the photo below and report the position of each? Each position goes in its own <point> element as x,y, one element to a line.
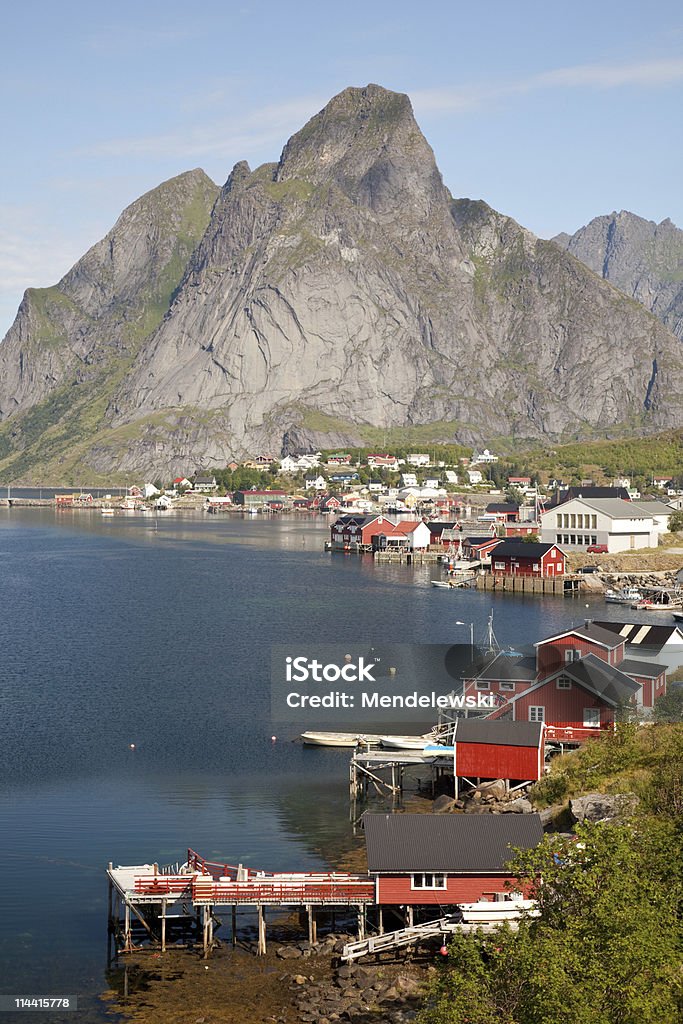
<point>597,549</point>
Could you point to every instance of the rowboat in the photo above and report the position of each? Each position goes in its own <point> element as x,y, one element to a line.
<point>406,742</point>
<point>338,739</point>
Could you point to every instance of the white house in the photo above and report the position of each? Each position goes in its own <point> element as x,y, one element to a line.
<point>474,476</point>
<point>431,482</point>
<point>150,491</point>
<point>315,483</point>
<point>451,477</point>
<point>585,522</point>
<point>289,464</point>
<point>418,459</point>
<point>409,479</point>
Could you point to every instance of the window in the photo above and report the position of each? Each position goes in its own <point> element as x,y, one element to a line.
<point>563,683</point>
<point>594,539</point>
<point>536,713</point>
<point>559,521</point>
<point>591,718</point>
<point>507,686</point>
<point>427,881</point>
<point>594,522</point>
<point>572,654</point>
<point>499,565</point>
<point>482,684</point>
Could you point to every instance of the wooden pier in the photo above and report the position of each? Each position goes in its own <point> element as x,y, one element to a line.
<point>150,907</point>
<point>518,583</point>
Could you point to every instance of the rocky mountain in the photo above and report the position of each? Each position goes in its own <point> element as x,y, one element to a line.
<point>643,259</point>
<point>339,290</point>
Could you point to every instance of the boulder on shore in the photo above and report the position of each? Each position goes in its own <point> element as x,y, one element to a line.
<point>599,806</point>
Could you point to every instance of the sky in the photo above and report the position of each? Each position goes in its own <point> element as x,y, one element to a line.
<point>552,113</point>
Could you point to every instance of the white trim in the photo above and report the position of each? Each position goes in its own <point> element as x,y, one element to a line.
<point>434,875</point>
<point>536,707</point>
<point>591,725</point>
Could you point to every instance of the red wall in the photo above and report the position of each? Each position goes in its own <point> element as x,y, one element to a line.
<point>493,761</point>
<point>550,656</point>
<point>562,707</point>
<point>395,890</point>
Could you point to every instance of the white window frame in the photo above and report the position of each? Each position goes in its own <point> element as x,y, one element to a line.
<point>533,712</point>
<point>418,880</point>
<point>563,683</point>
<point>507,686</point>
<point>483,684</point>
<point>586,723</point>
<point>572,654</point>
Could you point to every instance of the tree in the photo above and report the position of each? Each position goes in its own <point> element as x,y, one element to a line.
<point>606,948</point>
<point>669,707</point>
<point>676,522</point>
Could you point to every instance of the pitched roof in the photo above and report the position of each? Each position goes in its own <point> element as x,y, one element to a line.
<point>504,506</point>
<point>616,508</point>
<point>642,634</point>
<point>454,843</point>
<point>507,668</point>
<point>498,732</point>
<point>607,682</point>
<point>566,494</point>
<point>648,669</point>
<point>592,631</point>
<point>522,549</point>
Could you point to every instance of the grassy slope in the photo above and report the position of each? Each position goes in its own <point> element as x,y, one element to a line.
<point>632,760</point>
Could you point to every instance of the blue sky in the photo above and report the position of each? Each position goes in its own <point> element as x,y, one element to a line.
<point>552,113</point>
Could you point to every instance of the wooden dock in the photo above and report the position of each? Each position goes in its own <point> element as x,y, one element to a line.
<point>517,583</point>
<point>151,906</point>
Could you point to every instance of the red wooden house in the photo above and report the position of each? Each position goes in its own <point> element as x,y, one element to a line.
<point>444,859</point>
<point>503,749</point>
<point>578,683</point>
<point>519,558</point>
<point>353,532</point>
<point>479,548</point>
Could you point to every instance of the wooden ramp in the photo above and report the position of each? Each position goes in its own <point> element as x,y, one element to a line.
<point>410,936</point>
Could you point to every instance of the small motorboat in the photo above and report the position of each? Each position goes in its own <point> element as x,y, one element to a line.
<point>494,911</point>
<point>627,595</point>
<point>406,742</point>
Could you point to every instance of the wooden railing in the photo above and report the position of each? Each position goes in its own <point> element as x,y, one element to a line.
<point>296,892</point>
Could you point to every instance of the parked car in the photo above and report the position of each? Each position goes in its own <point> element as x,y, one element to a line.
<point>597,549</point>
<point>589,568</point>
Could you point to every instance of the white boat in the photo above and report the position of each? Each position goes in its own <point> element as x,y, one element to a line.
<point>493,911</point>
<point>441,583</point>
<point>406,742</point>
<point>107,510</point>
<point>626,595</point>
<point>337,739</point>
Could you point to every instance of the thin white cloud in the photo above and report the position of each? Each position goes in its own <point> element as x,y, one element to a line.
<point>462,99</point>
<point>238,135</point>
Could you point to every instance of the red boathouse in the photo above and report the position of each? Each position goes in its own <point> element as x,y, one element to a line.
<point>502,749</point>
<point>444,859</point>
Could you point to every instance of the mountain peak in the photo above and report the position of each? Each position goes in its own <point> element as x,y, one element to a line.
<point>367,142</point>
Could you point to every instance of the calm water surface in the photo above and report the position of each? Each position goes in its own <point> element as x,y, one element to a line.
<point>157,632</point>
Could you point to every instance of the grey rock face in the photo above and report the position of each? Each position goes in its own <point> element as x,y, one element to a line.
<point>598,806</point>
<point>340,287</point>
<point>641,258</point>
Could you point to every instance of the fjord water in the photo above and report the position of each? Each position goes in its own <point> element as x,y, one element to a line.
<point>156,632</point>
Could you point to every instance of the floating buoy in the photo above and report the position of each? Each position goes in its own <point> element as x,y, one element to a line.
<point>273,739</point>
<point>444,951</point>
<point>131,746</point>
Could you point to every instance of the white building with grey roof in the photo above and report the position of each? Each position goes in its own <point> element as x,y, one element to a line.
<point>619,525</point>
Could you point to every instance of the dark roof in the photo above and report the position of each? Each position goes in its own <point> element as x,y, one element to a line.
<point>435,527</point>
<point>648,669</point>
<point>455,843</point>
<point>610,683</point>
<point>502,733</point>
<point>474,541</point>
<point>522,549</point>
<point>640,633</point>
<point>507,667</point>
<point>587,492</point>
<point>502,507</point>
<point>589,631</point>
